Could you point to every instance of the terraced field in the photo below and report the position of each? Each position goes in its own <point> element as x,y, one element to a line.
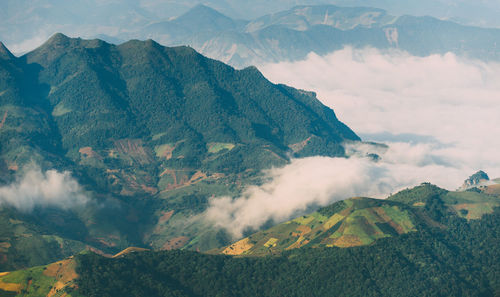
<point>356,222</point>
<point>51,280</point>
<point>362,221</point>
<point>471,205</point>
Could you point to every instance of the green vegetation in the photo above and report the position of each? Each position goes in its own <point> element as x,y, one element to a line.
<point>144,129</point>
<point>217,147</point>
<point>421,194</point>
<point>362,221</point>
<point>23,277</point>
<point>56,279</point>
<point>26,242</point>
<point>348,223</point>
<point>152,132</point>
<point>386,248</point>
<point>420,263</point>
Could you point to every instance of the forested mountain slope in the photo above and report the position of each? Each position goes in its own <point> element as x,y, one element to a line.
<point>149,133</point>
<point>446,254</point>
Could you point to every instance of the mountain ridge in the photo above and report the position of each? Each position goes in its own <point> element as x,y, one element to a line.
<point>148,132</point>
<point>205,18</point>
<point>362,221</point>
<point>409,264</point>
<point>292,34</point>
<point>4,52</point>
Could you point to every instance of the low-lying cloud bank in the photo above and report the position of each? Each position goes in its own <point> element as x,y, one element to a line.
<point>46,189</point>
<point>439,115</point>
<point>319,181</point>
<point>450,102</point>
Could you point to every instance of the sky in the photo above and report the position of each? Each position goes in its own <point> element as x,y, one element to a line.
<point>438,115</point>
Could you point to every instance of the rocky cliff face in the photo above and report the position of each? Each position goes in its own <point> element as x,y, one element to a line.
<point>479,178</point>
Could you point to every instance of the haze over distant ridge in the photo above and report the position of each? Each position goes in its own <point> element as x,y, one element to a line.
<point>26,24</point>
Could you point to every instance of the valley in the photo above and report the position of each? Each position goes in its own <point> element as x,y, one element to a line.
<point>164,149</point>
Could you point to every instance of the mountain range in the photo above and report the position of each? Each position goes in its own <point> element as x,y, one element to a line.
<point>110,154</point>
<point>292,34</point>
<point>285,35</point>
<point>149,133</point>
<point>26,24</point>
<point>322,29</point>
<point>361,221</point>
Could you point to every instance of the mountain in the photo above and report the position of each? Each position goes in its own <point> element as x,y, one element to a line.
<point>304,17</point>
<point>25,24</point>
<point>5,54</point>
<point>421,261</point>
<point>292,34</point>
<point>280,32</point>
<point>149,133</point>
<point>209,19</point>
<point>362,221</point>
<point>465,12</point>
<point>47,280</point>
<point>479,178</point>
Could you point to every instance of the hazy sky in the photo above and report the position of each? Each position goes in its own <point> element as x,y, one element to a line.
<point>26,24</point>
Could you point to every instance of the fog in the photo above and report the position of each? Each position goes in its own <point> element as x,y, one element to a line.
<point>439,115</point>
<point>43,189</point>
<point>317,181</point>
<point>446,102</point>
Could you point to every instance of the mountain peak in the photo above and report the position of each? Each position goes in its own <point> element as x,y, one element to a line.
<point>477,179</point>
<point>60,44</point>
<point>480,175</point>
<point>203,7</point>
<point>200,10</point>
<point>5,53</point>
<point>58,39</point>
<point>204,18</point>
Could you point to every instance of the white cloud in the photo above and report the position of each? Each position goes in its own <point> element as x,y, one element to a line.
<point>37,188</point>
<point>438,98</point>
<point>314,181</point>
<point>438,114</point>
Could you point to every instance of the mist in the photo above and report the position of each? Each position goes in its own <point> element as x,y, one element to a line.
<point>318,181</point>
<point>437,114</point>
<point>441,100</point>
<point>43,189</point>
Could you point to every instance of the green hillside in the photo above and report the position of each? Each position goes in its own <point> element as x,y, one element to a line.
<point>27,242</point>
<point>55,279</point>
<point>470,205</point>
<point>150,133</point>
<point>348,223</point>
<point>362,221</point>
<point>444,255</point>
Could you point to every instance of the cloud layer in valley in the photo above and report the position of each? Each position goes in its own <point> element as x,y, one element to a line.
<point>46,189</point>
<point>318,181</point>
<point>441,100</point>
<point>438,114</point>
